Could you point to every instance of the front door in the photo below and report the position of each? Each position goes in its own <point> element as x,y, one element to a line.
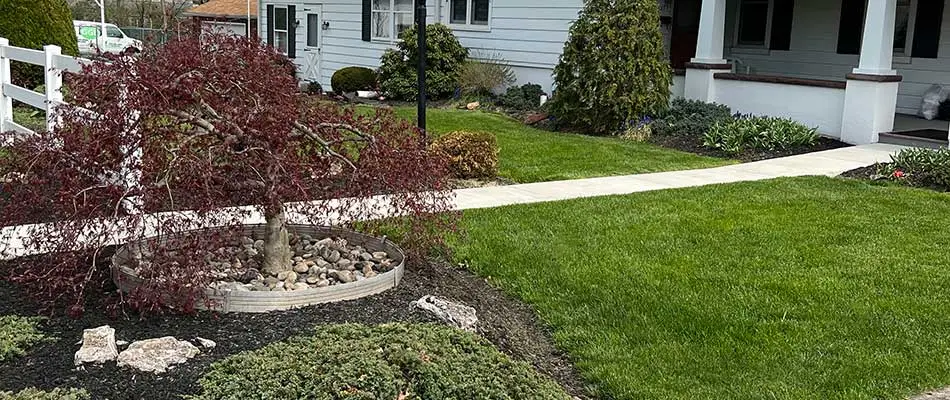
<point>685,31</point>
<point>312,47</point>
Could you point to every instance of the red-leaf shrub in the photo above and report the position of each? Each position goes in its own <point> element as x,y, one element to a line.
<point>217,123</point>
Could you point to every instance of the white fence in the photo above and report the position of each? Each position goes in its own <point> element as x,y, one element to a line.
<point>54,64</point>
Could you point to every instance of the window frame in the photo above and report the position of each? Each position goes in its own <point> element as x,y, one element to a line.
<point>392,12</point>
<point>766,43</point>
<point>286,31</point>
<point>468,25</point>
<point>909,38</point>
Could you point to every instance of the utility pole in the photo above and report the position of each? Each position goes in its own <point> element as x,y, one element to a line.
<point>421,69</point>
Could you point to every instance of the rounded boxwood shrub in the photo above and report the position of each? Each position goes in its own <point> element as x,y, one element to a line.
<point>417,361</point>
<point>471,155</point>
<point>759,133</point>
<point>445,58</point>
<point>33,24</point>
<point>613,67</point>
<point>351,79</point>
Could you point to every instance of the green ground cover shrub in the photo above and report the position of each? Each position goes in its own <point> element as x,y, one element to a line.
<point>690,118</point>
<point>17,334</point>
<point>36,394</point>
<point>471,155</point>
<point>920,167</point>
<point>759,133</point>
<point>351,79</point>
<point>418,361</point>
<point>444,59</point>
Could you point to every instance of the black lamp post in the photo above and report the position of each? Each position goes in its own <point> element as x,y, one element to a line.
<point>421,71</point>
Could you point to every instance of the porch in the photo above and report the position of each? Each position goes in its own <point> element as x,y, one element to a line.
<point>779,58</point>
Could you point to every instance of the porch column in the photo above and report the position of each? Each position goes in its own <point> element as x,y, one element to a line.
<point>871,94</point>
<point>700,71</point>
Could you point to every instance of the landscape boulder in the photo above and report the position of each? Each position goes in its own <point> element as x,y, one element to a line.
<point>157,355</point>
<point>452,314</point>
<point>98,346</point>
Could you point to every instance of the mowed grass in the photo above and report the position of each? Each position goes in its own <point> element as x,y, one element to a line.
<point>803,288</point>
<point>532,155</point>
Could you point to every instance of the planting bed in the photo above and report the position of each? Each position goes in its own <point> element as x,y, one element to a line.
<point>695,145</point>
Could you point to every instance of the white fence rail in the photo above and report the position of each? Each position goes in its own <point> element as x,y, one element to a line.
<point>54,63</point>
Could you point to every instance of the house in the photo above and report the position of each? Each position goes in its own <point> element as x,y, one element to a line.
<point>230,16</point>
<point>852,68</point>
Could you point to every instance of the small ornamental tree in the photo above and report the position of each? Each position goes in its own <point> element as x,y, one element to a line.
<point>198,134</point>
<point>445,57</point>
<point>613,67</point>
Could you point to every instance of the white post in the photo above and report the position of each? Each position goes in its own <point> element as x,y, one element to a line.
<point>877,46</point>
<point>712,31</point>
<point>54,85</point>
<point>102,24</point>
<point>6,102</point>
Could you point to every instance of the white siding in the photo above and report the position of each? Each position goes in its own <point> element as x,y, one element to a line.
<point>813,53</point>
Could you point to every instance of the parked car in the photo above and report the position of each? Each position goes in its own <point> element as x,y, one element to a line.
<point>91,40</point>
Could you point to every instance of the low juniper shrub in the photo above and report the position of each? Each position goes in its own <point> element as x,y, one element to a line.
<point>920,167</point>
<point>758,133</point>
<point>690,118</point>
<point>36,394</point>
<point>17,334</point>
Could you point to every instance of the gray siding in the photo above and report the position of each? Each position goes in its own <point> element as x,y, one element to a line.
<point>813,53</point>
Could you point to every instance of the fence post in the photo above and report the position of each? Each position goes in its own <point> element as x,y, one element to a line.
<point>6,102</point>
<point>54,85</point>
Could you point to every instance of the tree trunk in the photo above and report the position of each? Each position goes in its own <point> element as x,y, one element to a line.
<point>277,251</point>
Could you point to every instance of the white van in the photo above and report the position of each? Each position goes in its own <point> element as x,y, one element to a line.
<point>91,41</point>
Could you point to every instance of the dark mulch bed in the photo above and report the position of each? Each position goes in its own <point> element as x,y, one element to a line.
<point>695,145</point>
<point>509,324</point>
<point>870,174</point>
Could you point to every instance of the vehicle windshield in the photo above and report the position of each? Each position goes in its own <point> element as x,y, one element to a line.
<point>114,32</point>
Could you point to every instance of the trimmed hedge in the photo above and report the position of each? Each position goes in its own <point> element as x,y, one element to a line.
<point>471,155</point>
<point>759,133</point>
<point>33,24</point>
<point>36,394</point>
<point>351,79</point>
<point>17,334</point>
<point>417,361</point>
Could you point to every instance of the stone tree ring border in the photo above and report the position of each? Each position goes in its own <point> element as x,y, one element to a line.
<point>127,280</point>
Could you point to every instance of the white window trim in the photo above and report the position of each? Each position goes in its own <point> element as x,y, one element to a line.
<point>392,20</point>
<point>909,40</point>
<point>468,25</point>
<point>768,29</point>
<point>282,9</point>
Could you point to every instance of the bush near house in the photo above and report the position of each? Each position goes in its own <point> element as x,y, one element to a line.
<point>351,79</point>
<point>690,118</point>
<point>759,133</point>
<point>613,67</point>
<point>525,97</point>
<point>471,155</point>
<point>445,57</point>
<point>393,361</point>
<point>920,167</point>
<point>33,24</point>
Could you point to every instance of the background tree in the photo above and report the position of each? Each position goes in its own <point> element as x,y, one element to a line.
<point>613,68</point>
<point>33,24</point>
<point>212,136</point>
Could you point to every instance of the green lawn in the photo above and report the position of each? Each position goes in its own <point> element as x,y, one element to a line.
<point>804,288</point>
<point>532,155</point>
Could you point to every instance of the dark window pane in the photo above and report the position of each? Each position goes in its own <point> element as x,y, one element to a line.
<point>280,19</point>
<point>313,30</point>
<point>458,11</point>
<point>901,22</point>
<point>753,20</point>
<point>480,12</point>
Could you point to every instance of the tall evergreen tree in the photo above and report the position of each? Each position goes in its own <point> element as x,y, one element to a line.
<point>613,68</point>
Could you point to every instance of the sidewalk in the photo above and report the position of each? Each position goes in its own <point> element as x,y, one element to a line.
<point>829,163</point>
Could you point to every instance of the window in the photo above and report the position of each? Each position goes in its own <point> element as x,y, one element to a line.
<point>313,30</point>
<point>469,12</point>
<point>903,26</point>
<point>390,18</point>
<point>281,27</point>
<point>753,24</point>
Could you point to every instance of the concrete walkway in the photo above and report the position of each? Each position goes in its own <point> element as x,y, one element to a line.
<point>829,163</point>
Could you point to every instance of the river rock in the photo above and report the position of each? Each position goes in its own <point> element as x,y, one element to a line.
<point>301,268</point>
<point>98,346</point>
<point>157,355</point>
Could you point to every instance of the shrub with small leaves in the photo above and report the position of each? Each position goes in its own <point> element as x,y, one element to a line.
<point>920,167</point>
<point>444,59</point>
<point>525,97</point>
<point>759,133</point>
<point>471,155</point>
<point>690,118</point>
<point>36,394</point>
<point>17,334</point>
<point>351,79</point>
<point>483,77</point>
<point>392,361</point>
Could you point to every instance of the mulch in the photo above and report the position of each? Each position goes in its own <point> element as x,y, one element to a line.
<point>695,145</point>
<point>509,324</point>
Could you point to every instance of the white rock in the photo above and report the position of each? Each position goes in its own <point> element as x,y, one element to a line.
<point>206,343</point>
<point>157,355</point>
<point>98,346</point>
<point>453,314</point>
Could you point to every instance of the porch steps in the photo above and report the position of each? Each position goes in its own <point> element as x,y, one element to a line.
<point>912,141</point>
